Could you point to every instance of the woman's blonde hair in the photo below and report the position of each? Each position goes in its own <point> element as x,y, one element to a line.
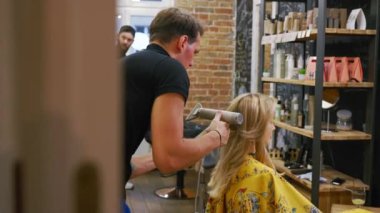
<point>257,110</point>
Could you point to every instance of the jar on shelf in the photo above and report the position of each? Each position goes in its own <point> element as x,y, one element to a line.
<point>344,120</point>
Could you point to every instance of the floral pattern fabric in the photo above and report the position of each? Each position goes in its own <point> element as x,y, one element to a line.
<point>258,188</point>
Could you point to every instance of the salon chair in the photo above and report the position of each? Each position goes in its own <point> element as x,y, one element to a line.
<point>191,130</point>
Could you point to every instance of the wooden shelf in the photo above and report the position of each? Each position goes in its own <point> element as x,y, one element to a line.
<point>300,1</point>
<point>346,32</point>
<point>327,136</point>
<point>328,173</point>
<point>336,208</point>
<point>312,83</point>
<point>307,35</point>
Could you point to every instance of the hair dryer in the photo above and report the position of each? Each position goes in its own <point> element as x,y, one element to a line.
<point>233,118</point>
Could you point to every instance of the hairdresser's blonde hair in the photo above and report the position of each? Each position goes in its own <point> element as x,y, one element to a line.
<point>257,110</point>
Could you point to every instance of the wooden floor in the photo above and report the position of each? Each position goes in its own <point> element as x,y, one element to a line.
<point>142,198</point>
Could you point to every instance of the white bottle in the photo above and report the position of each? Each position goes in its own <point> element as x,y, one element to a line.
<point>272,87</point>
<point>300,61</point>
<point>290,66</point>
<point>282,64</point>
<point>276,63</point>
<point>286,66</point>
<point>279,63</point>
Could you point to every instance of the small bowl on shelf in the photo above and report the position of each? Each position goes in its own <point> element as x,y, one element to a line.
<point>301,77</point>
<point>266,74</point>
<point>301,74</point>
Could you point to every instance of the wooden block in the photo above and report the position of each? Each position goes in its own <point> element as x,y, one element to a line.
<point>343,17</point>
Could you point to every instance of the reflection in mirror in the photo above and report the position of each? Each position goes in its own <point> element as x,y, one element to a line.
<point>329,100</point>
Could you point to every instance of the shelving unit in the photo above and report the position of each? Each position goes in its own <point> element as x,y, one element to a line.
<point>307,35</point>
<point>327,136</point>
<point>320,35</point>
<point>328,193</point>
<point>312,83</point>
<point>328,173</point>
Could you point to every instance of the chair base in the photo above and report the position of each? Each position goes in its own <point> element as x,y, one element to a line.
<point>175,193</point>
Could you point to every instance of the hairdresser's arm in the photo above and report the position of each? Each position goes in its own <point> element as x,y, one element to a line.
<point>142,164</point>
<point>171,151</point>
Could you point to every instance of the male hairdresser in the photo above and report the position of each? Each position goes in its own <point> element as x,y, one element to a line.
<point>156,91</point>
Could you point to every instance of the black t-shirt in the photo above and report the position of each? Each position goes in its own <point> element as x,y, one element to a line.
<point>148,74</point>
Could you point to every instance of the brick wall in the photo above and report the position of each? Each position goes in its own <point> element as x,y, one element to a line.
<point>211,76</point>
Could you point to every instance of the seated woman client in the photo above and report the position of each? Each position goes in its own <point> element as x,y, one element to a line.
<point>244,179</point>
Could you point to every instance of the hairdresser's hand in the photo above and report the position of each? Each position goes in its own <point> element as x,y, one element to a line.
<point>221,127</point>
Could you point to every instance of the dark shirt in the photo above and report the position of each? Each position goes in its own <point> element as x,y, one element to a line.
<point>149,74</point>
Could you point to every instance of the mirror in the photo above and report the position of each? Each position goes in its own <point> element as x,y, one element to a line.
<point>330,98</point>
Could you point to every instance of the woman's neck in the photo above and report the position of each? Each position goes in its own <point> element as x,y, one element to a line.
<point>252,149</point>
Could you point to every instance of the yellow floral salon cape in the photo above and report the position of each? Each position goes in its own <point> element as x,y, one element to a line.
<point>258,188</point>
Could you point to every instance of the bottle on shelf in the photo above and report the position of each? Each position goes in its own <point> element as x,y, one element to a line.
<point>285,24</point>
<point>277,114</point>
<point>289,67</point>
<point>280,26</point>
<point>268,25</point>
<point>273,26</point>
<point>271,69</point>
<point>271,89</point>
<point>276,62</point>
<point>294,110</point>
<point>300,61</point>
<point>299,118</point>
<point>311,112</point>
<point>279,63</point>
<point>293,115</point>
<point>305,110</point>
<point>282,112</point>
<point>274,14</point>
<point>287,111</point>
